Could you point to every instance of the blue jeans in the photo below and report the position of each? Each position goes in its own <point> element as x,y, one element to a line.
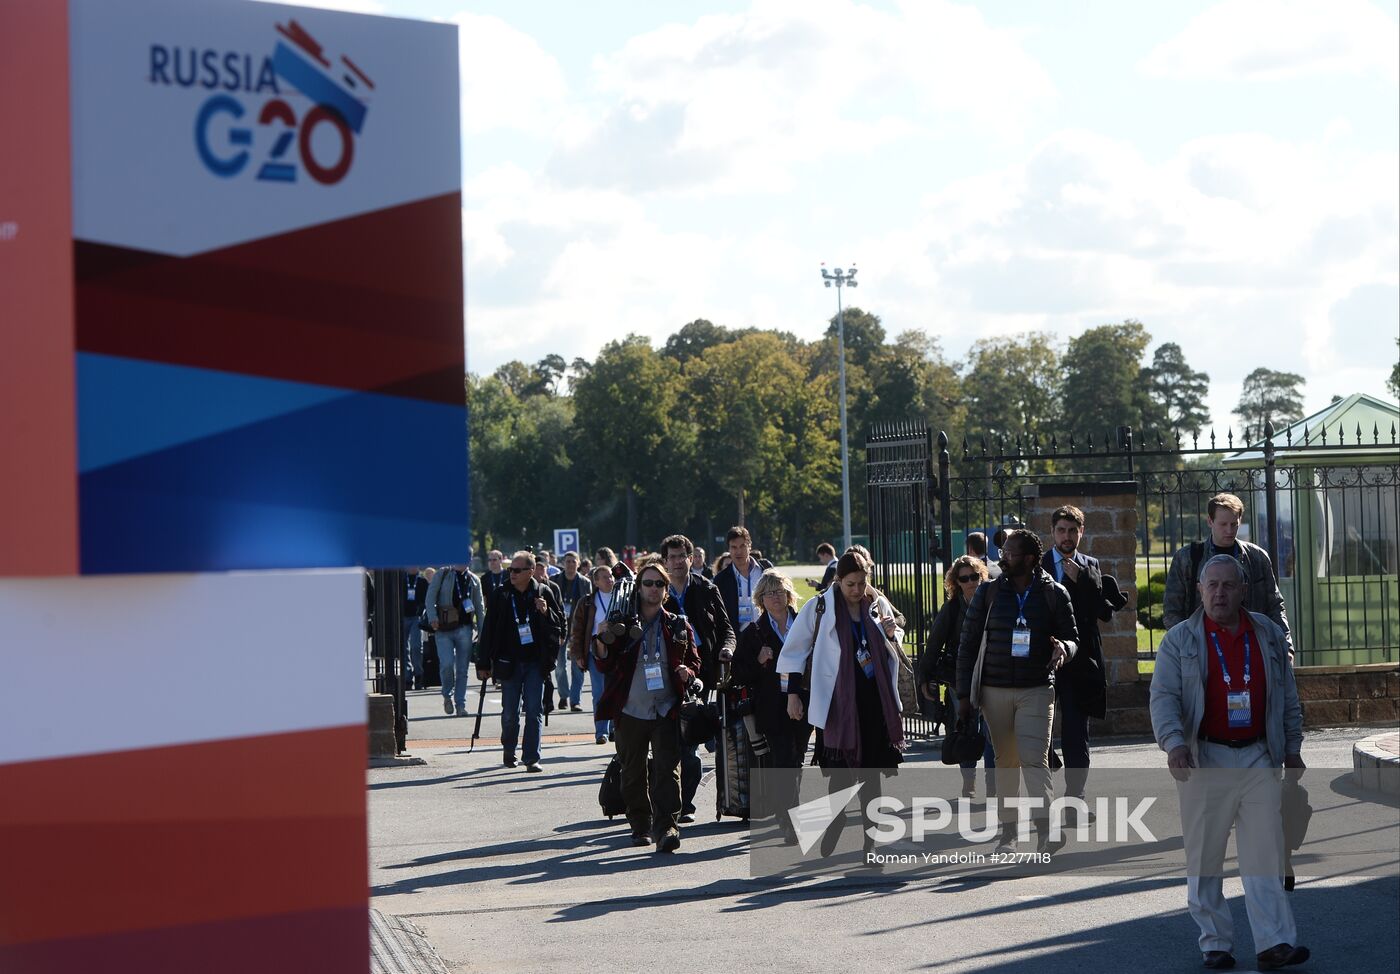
<point>413,650</point>
<point>454,654</point>
<point>530,681</point>
<point>568,678</point>
<point>601,728</point>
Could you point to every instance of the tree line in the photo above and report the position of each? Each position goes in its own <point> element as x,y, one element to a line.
<point>724,426</point>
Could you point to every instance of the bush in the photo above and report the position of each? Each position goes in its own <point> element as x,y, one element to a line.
<point>1159,578</point>
<point>1151,594</point>
<point>1150,617</point>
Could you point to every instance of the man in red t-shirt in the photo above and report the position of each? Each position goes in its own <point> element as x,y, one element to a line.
<point>1223,697</point>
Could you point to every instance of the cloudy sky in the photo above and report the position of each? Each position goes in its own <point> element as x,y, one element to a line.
<point>1226,172</point>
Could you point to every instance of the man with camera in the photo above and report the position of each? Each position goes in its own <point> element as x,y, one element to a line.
<point>697,601</point>
<point>454,612</point>
<point>650,670</point>
<point>524,627</point>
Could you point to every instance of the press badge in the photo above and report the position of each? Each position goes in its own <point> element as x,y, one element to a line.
<point>866,661</point>
<point>526,638</point>
<point>654,678</point>
<point>745,610</point>
<point>1020,642</point>
<point>1237,707</point>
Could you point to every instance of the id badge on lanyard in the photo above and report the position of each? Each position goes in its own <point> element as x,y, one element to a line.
<point>523,628</point>
<point>745,610</point>
<point>1021,635</point>
<point>863,657</point>
<point>652,665</point>
<point>1237,707</point>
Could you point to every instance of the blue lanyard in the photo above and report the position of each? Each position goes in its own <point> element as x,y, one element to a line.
<point>515,611</point>
<point>679,596</point>
<point>1021,606</point>
<point>743,580</point>
<point>651,635</point>
<point>858,631</point>
<point>1225,670</point>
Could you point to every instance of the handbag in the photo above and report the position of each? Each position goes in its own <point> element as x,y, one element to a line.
<point>908,690</point>
<point>993,591</point>
<point>963,744</point>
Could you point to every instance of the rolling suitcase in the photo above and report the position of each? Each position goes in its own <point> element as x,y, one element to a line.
<point>430,676</point>
<point>731,763</point>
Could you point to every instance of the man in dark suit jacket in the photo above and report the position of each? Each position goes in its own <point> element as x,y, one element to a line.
<point>1080,686</point>
<point>736,583</point>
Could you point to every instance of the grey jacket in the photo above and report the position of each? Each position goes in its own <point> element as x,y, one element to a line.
<point>1178,700</point>
<point>440,595</point>
<point>1263,595</point>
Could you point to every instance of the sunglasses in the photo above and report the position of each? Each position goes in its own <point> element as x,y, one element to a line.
<point>964,579</point>
<point>519,571</point>
<point>652,583</point>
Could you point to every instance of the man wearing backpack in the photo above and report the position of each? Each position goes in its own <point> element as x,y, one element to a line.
<point>1225,512</point>
<point>454,611</point>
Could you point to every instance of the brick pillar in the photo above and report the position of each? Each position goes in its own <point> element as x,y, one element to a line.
<point>1110,535</point>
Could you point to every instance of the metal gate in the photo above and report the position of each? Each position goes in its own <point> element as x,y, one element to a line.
<point>901,489</point>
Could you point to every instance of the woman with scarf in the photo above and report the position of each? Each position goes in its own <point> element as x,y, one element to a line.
<point>853,687</point>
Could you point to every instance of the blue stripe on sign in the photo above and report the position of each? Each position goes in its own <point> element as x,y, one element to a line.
<point>319,487</point>
<point>316,86</point>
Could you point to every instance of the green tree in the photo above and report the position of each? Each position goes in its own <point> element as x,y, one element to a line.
<point>1012,387</point>
<point>1102,387</point>
<point>1178,391</point>
<point>694,338</point>
<point>629,432</point>
<point>864,335</point>
<point>1269,396</point>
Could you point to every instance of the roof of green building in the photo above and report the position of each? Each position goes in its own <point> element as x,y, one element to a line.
<point>1357,427</point>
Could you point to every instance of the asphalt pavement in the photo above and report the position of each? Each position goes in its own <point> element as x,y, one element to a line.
<point>507,871</point>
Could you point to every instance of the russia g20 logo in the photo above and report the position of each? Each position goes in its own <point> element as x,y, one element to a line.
<point>269,137</point>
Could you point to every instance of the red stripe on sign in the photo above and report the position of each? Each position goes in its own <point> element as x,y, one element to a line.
<point>369,303</point>
<point>84,880</point>
<point>38,426</point>
<point>319,773</point>
<point>333,941</point>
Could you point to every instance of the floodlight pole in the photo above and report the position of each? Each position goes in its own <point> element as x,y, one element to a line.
<point>842,279</point>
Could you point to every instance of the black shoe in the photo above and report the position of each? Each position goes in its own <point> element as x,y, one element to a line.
<point>1217,959</point>
<point>1289,882</point>
<point>600,739</point>
<point>669,842</point>
<point>1281,955</point>
<point>511,763</point>
<point>533,767</point>
<point>563,704</point>
<point>640,839</point>
<point>575,708</point>
<point>686,818</point>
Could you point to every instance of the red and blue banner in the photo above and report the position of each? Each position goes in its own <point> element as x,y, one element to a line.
<point>257,358</point>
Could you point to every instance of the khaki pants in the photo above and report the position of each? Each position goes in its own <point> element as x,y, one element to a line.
<point>1018,720</point>
<point>1214,803</point>
<point>662,738</point>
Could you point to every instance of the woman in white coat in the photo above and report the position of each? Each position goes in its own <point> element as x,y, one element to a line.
<point>853,689</point>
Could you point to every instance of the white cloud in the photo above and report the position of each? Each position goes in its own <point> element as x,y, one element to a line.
<point>1266,40</point>
<point>734,102</point>
<point>508,80</point>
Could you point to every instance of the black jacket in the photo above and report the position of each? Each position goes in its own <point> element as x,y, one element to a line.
<point>728,583</point>
<point>492,583</point>
<point>762,681</point>
<point>704,610</point>
<point>500,640</point>
<point>571,594</point>
<point>1083,676</point>
<point>1048,613</point>
<point>413,607</point>
<point>942,641</point>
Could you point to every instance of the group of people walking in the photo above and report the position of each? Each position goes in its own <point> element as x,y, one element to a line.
<point>1014,643</point>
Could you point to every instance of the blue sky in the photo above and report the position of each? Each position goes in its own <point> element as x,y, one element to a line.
<point>1226,172</point>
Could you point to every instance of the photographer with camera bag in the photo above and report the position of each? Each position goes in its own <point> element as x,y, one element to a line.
<point>524,627</point>
<point>649,671</point>
<point>454,613</point>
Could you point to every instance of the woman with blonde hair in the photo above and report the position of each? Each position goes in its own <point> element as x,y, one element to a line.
<point>756,668</point>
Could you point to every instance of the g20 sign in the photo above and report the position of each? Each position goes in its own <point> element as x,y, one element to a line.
<point>250,125</point>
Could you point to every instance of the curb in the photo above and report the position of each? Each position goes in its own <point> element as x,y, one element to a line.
<point>399,946</point>
<point>1376,763</point>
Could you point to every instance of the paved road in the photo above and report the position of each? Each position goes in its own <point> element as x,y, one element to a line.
<point>509,872</point>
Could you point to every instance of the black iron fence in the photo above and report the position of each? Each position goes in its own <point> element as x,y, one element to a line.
<point>1324,503</point>
<point>384,648</point>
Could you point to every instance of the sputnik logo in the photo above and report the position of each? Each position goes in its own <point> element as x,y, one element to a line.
<point>812,818</point>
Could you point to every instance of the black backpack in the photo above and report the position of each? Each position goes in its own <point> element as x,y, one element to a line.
<point>610,791</point>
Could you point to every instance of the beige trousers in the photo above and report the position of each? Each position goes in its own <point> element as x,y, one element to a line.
<point>1019,721</point>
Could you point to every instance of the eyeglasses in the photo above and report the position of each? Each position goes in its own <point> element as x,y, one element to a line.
<point>652,583</point>
<point>519,571</point>
<point>964,579</point>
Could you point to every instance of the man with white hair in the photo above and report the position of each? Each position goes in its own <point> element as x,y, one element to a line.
<point>1223,697</point>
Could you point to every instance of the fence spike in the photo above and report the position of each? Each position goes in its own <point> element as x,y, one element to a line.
<point>1306,435</point>
<point>1091,442</point>
<point>966,449</point>
<point>1018,444</point>
<point>1054,445</point>
<point>984,446</point>
<point>1212,439</point>
<point>1376,433</point>
<point>1288,436</point>
<point>1358,434</point>
<point>1230,438</point>
<point>1071,442</point>
<point>1324,434</point>
<point>1341,435</point>
<point>1159,440</point>
<point>1392,432</point>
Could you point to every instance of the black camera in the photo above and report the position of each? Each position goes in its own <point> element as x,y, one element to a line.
<point>623,620</point>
